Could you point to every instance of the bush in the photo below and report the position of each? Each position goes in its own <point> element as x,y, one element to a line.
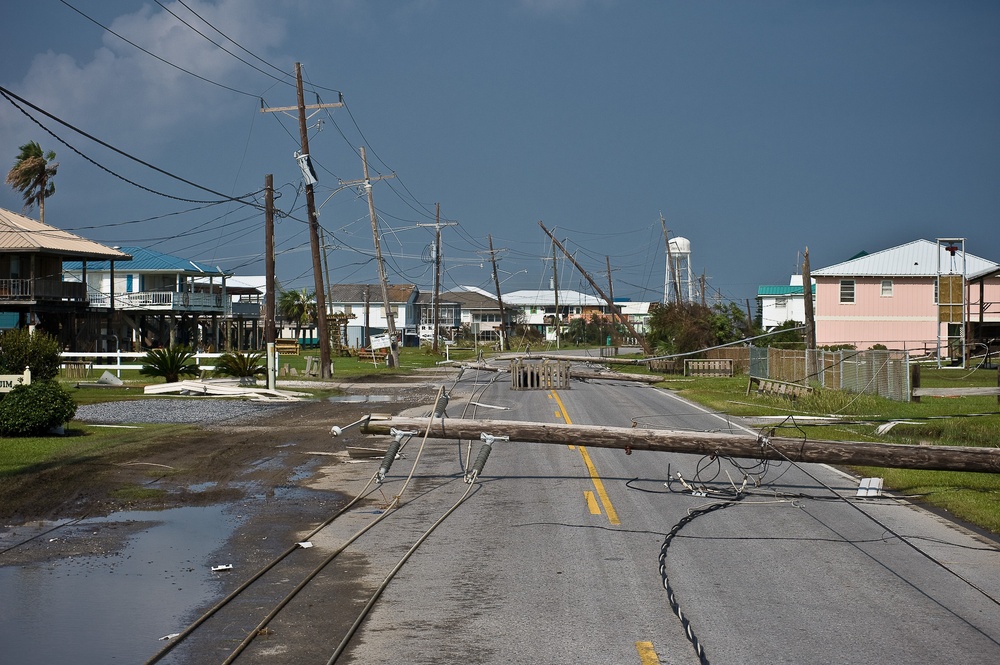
<point>245,366</point>
<point>36,350</point>
<point>170,363</point>
<point>35,408</point>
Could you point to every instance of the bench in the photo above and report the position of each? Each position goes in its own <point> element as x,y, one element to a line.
<point>720,367</point>
<point>775,387</point>
<point>287,347</point>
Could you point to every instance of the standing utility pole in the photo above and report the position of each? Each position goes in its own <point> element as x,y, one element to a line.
<point>436,305</point>
<point>306,165</point>
<point>504,337</point>
<point>635,333</point>
<point>555,291</point>
<point>390,317</point>
<point>269,279</point>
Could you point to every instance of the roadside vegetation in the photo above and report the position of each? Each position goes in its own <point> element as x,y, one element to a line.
<point>964,421</point>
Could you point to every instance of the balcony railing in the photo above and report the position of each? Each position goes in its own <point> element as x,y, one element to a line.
<point>33,290</point>
<point>161,300</point>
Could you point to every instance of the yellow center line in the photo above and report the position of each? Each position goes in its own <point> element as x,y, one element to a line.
<point>609,510</point>
<point>647,655</point>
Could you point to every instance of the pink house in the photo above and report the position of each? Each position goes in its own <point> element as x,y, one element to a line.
<point>891,298</point>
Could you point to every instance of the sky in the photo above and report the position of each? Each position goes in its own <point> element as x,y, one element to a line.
<point>756,129</point>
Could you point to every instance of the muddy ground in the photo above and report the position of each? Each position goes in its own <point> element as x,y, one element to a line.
<point>260,470</point>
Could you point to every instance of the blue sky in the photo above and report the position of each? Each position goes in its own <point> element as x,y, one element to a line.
<point>757,129</point>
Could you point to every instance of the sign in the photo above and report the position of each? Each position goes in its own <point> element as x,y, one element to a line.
<point>381,341</point>
<point>10,381</point>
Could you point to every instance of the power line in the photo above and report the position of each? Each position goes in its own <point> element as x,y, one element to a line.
<point>153,55</point>
<point>230,39</point>
<point>220,46</point>
<point>8,94</point>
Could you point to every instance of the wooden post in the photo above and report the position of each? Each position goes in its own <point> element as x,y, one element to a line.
<point>857,453</point>
<point>915,382</point>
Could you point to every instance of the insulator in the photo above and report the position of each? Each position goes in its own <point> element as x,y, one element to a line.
<point>484,454</point>
<point>390,456</point>
<point>441,405</point>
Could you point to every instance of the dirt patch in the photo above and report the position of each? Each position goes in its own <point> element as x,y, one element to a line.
<point>259,467</point>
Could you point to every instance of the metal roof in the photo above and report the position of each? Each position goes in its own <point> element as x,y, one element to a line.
<point>914,259</point>
<point>781,290</point>
<point>23,234</point>
<point>150,261</point>
<point>355,293</point>
<point>544,298</point>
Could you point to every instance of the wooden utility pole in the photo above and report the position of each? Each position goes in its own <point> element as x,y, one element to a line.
<point>269,333</point>
<point>635,333</point>
<point>301,107</point>
<point>853,453</point>
<point>555,291</point>
<point>272,370</point>
<point>810,317</point>
<point>808,301</point>
<point>390,317</point>
<point>504,337</point>
<point>437,274</point>
<point>436,305</point>
<point>615,316</point>
<point>671,269</point>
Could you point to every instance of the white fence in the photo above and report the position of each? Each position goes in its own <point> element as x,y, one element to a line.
<point>80,364</point>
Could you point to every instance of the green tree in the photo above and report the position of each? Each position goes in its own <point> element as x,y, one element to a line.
<point>171,363</point>
<point>32,175</point>
<point>683,327</point>
<point>297,307</point>
<point>38,351</point>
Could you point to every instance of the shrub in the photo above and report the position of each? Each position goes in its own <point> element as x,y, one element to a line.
<point>35,408</point>
<point>39,351</point>
<point>170,363</point>
<point>242,365</point>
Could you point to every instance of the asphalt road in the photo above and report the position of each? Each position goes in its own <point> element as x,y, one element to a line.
<point>554,555</point>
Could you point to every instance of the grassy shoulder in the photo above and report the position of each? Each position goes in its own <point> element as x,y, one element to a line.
<point>965,421</point>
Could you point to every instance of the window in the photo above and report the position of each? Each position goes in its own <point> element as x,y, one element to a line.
<point>886,288</point>
<point>847,291</point>
<point>780,303</point>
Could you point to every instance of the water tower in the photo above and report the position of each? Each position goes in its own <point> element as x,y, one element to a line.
<point>679,281</point>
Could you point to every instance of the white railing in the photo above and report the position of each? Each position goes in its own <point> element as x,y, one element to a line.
<point>123,360</point>
<point>171,300</point>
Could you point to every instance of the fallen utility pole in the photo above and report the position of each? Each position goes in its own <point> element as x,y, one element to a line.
<point>581,374</point>
<point>858,453</point>
<point>639,338</point>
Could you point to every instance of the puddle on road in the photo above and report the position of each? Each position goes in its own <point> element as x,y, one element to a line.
<point>114,608</point>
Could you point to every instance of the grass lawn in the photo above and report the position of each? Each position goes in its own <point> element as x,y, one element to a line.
<point>964,421</point>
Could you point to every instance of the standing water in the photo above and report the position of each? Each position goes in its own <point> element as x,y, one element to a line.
<point>95,610</point>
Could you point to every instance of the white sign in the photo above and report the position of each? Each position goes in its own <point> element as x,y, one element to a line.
<point>381,341</point>
<point>10,381</point>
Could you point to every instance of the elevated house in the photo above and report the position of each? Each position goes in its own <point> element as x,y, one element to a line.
<point>923,296</point>
<point>480,311</point>
<point>361,308</point>
<point>156,300</point>
<point>537,308</point>
<point>33,290</point>
<point>779,303</point>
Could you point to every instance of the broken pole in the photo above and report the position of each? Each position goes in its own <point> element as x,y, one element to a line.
<point>855,453</point>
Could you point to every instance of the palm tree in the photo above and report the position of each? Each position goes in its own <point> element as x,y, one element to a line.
<point>297,307</point>
<point>32,176</point>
